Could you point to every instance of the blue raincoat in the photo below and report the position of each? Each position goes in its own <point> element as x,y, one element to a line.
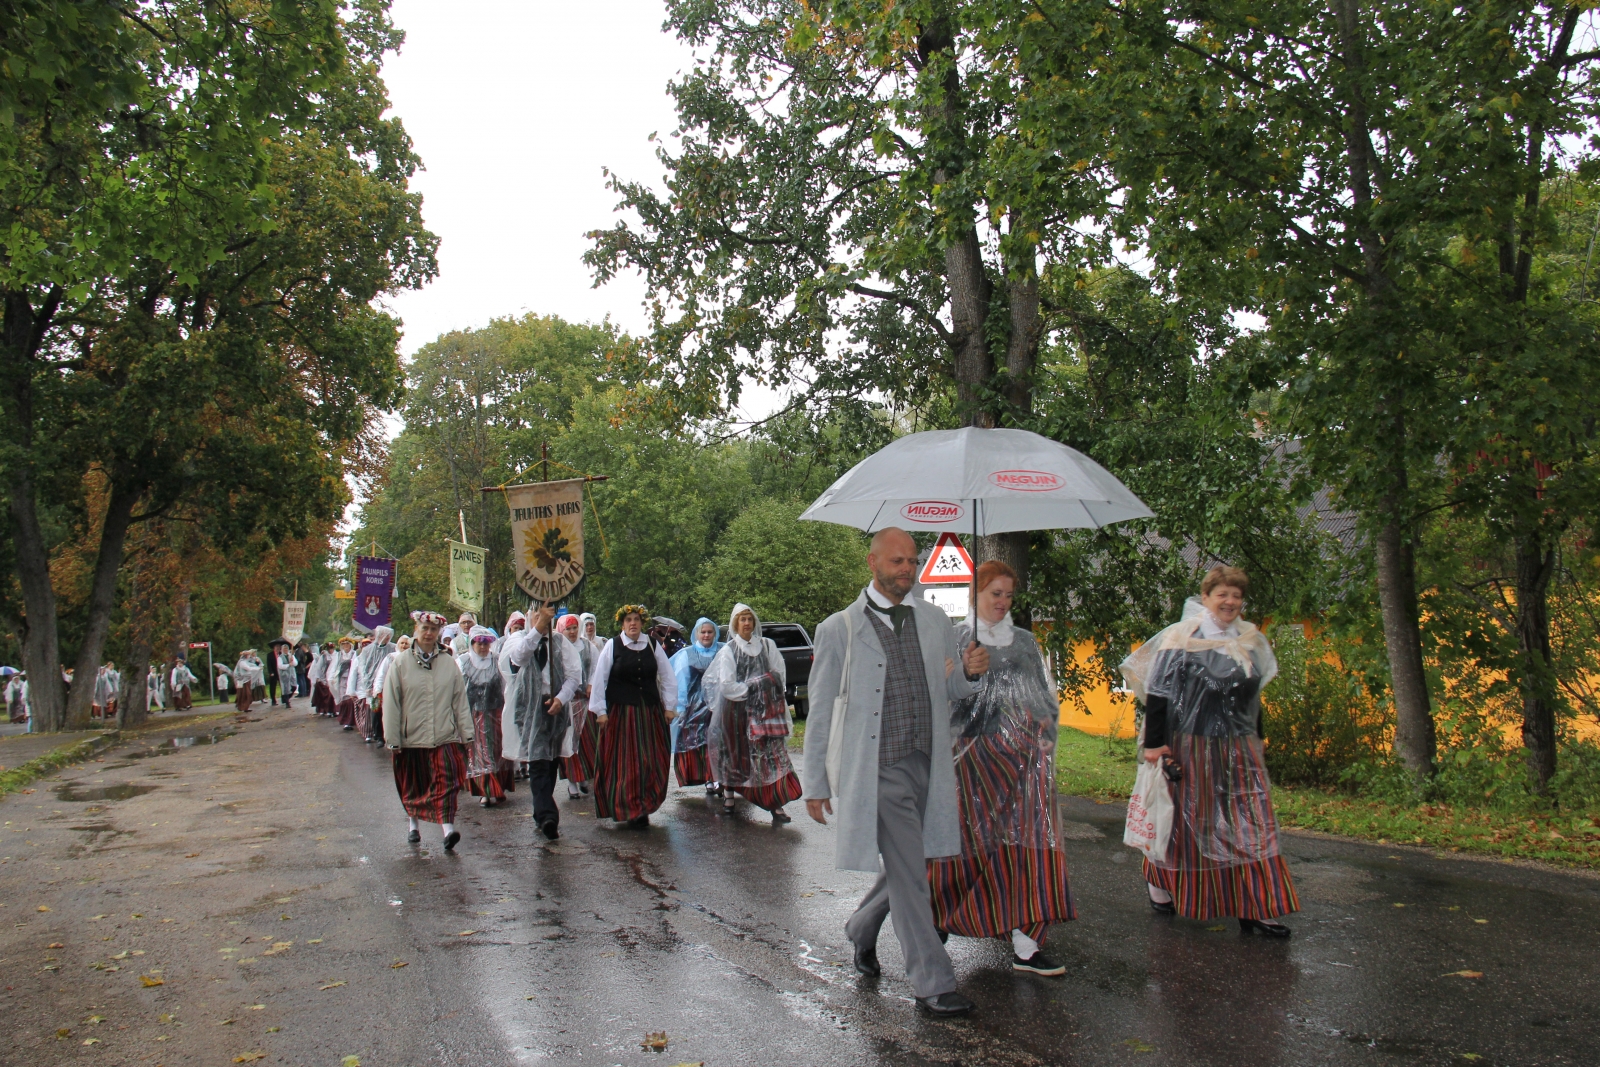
<point>690,729</point>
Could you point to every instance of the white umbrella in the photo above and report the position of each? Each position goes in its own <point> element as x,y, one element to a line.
<point>977,481</point>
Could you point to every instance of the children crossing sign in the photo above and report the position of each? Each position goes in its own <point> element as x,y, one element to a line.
<point>948,563</point>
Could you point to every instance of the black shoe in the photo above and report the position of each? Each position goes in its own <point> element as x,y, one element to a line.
<point>779,817</point>
<point>713,790</point>
<point>348,727</point>
<point>947,1004</point>
<point>867,960</point>
<point>1264,927</point>
<point>414,836</point>
<point>1038,963</point>
<point>450,840</point>
<point>549,830</point>
<point>1163,907</point>
<point>641,823</point>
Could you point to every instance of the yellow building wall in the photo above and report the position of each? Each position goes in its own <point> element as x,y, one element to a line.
<point>1102,712</point>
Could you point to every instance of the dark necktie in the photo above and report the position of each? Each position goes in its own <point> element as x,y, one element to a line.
<point>541,654</point>
<point>898,614</point>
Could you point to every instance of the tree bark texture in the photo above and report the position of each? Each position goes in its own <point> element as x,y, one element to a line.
<point>102,597</point>
<point>1414,739</point>
<point>22,334</point>
<point>1536,564</point>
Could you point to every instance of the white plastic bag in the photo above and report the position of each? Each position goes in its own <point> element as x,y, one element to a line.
<point>1149,826</point>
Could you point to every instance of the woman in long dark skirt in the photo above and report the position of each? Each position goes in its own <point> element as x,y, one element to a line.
<point>1200,682</point>
<point>634,697</point>
<point>488,772</point>
<point>1010,880</point>
<point>750,719</point>
<point>691,759</point>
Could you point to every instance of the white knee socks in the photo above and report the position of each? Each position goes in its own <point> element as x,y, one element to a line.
<point>1023,945</point>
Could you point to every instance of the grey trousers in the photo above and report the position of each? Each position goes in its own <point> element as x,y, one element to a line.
<point>902,888</point>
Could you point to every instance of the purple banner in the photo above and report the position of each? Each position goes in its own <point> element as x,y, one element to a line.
<point>374,592</point>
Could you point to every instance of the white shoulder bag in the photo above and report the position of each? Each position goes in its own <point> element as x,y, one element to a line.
<point>841,704</point>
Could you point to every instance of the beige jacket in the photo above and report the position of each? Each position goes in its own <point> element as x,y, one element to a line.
<point>425,708</point>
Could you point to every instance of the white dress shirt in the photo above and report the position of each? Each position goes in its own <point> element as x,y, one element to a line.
<point>666,678</point>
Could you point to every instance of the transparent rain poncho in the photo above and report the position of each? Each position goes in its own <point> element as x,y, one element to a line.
<point>692,727</point>
<point>1005,739</point>
<point>749,713</point>
<point>486,697</point>
<point>1212,688</point>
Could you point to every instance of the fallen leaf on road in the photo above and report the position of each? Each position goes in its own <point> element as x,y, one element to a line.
<point>1216,929</point>
<point>1480,921</point>
<point>1463,974</point>
<point>121,955</point>
<point>350,1061</point>
<point>257,1007</point>
<point>97,918</point>
<point>466,933</point>
<point>43,907</point>
<point>227,1022</point>
<point>55,944</point>
<point>136,915</point>
<point>315,941</point>
<point>273,1029</point>
<point>281,900</point>
<point>656,1042</point>
<point>249,1057</point>
<point>1399,905</point>
<point>808,894</point>
<point>283,918</point>
<point>696,1063</point>
<point>165,1017</point>
<point>95,1020</point>
<point>148,982</point>
<point>333,985</point>
<point>91,1041</point>
<point>1139,1046</point>
<point>63,1032</point>
<point>607,955</point>
<point>397,964</point>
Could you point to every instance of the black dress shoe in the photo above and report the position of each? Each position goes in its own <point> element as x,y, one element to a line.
<point>779,817</point>
<point>947,1004</point>
<point>1264,927</point>
<point>450,840</point>
<point>1163,907</point>
<point>944,937</point>
<point>641,823</point>
<point>549,830</point>
<point>1038,963</point>
<point>414,836</point>
<point>867,960</point>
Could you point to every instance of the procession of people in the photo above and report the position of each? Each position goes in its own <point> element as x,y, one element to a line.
<point>930,745</point>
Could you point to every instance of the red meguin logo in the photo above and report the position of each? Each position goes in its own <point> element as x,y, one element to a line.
<point>932,511</point>
<point>1027,481</point>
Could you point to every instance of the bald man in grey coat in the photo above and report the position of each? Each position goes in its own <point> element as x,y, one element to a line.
<point>894,772</point>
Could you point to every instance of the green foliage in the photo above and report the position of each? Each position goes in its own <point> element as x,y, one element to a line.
<point>786,570</point>
<point>1320,720</point>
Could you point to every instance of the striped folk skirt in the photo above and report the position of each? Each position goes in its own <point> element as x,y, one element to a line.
<point>1224,808</point>
<point>245,698</point>
<point>363,716</point>
<point>631,773</point>
<point>580,766</point>
<point>428,780</point>
<point>692,767</point>
<point>347,712</point>
<point>322,699</point>
<point>757,769</point>
<point>490,774</point>
<point>1011,874</point>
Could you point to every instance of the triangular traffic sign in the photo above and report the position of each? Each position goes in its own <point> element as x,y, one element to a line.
<point>948,563</point>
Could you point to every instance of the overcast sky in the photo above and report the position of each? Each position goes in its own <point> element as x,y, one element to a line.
<point>515,107</point>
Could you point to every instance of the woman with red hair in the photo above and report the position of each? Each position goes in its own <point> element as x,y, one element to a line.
<point>1011,876</point>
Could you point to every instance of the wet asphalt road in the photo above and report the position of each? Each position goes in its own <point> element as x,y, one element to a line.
<point>256,898</point>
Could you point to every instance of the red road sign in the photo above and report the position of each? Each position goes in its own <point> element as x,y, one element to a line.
<point>199,644</point>
<point>948,563</point>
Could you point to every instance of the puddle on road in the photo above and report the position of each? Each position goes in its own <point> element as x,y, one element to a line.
<point>72,793</point>
<point>175,744</point>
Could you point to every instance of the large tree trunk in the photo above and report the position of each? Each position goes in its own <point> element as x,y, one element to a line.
<point>102,597</point>
<point>1414,738</point>
<point>20,339</point>
<point>1536,563</point>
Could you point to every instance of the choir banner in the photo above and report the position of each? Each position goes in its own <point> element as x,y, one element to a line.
<point>374,593</point>
<point>294,620</point>
<point>547,535</point>
<point>466,577</point>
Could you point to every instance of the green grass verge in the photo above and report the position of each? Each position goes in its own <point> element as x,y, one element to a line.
<point>1089,766</point>
<point>65,754</point>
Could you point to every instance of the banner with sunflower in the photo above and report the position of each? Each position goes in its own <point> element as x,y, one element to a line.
<point>547,537</point>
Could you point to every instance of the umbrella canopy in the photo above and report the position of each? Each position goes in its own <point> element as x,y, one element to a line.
<point>977,481</point>
<point>671,624</point>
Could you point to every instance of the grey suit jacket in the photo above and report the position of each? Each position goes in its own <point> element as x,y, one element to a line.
<point>857,791</point>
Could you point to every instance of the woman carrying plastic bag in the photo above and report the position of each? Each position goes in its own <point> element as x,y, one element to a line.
<point>750,718</point>
<point>1200,682</point>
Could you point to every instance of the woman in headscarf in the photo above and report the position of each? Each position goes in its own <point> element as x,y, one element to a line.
<point>182,678</point>
<point>366,674</point>
<point>378,679</point>
<point>247,676</point>
<point>634,695</point>
<point>427,726</point>
<point>343,699</point>
<point>1200,682</point>
<point>287,671</point>
<point>587,630</point>
<point>583,733</point>
<point>750,718</point>
<point>488,772</point>
<point>321,688</point>
<point>691,760</point>
<point>1011,877</point>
